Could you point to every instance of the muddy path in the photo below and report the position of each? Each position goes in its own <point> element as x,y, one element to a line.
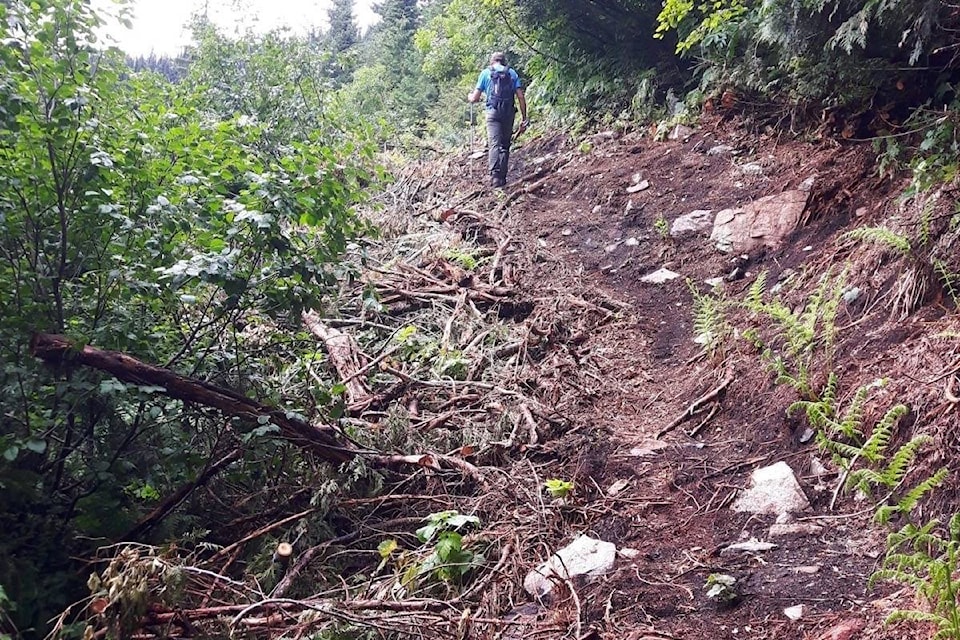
<point>587,220</point>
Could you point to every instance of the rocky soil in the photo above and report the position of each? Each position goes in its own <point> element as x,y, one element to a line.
<point>661,437</point>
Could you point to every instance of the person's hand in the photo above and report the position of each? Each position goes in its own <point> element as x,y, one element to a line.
<point>523,126</point>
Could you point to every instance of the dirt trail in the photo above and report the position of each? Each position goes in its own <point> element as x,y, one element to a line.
<point>579,237</point>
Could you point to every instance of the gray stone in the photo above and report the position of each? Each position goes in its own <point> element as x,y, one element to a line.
<point>751,169</point>
<point>773,490</point>
<point>680,132</point>
<point>585,556</point>
<point>795,529</point>
<point>852,294</point>
<point>720,150</point>
<point>659,276</point>
<point>750,546</point>
<point>762,223</point>
<point>693,222</point>
<point>640,186</point>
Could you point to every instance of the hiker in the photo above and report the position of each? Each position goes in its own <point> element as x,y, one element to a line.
<point>500,84</point>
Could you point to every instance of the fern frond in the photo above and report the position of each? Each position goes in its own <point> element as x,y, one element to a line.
<point>879,440</point>
<point>864,480</point>
<point>709,318</point>
<point>884,512</point>
<point>909,501</point>
<point>954,527</point>
<point>754,298</point>
<point>883,236</point>
<point>842,449</point>
<point>811,311</point>
<point>915,616</point>
<point>900,462</point>
<point>829,310</point>
<point>890,575</point>
<point>850,424</point>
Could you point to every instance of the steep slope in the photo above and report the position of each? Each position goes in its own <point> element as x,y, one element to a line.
<point>587,219</point>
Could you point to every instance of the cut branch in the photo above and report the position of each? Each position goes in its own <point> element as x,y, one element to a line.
<point>697,404</point>
<point>343,353</point>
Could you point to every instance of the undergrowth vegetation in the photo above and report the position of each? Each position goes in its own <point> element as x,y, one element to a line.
<point>232,225</point>
<point>797,344</point>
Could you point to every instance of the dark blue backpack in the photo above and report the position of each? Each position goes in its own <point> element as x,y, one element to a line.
<point>502,89</point>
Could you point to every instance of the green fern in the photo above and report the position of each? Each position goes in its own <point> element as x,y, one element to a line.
<point>754,298</point>
<point>820,412</point>
<point>911,499</point>
<point>709,318</point>
<point>931,569</point>
<point>849,425</point>
<point>883,236</point>
<point>903,458</point>
<point>875,446</point>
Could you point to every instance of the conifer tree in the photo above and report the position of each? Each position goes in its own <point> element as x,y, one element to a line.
<point>343,32</point>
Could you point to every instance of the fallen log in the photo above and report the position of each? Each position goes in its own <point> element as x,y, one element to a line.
<point>322,441</point>
<point>344,355</point>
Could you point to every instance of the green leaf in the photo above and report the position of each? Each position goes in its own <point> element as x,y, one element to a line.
<point>387,547</point>
<point>37,446</point>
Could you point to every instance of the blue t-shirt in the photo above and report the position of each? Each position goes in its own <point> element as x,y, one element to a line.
<point>483,82</point>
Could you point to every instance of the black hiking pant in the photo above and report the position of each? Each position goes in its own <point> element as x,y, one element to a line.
<point>499,133</point>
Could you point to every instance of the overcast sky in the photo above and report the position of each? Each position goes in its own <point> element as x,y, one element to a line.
<point>159,25</point>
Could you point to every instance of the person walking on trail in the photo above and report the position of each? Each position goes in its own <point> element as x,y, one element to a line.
<point>501,85</point>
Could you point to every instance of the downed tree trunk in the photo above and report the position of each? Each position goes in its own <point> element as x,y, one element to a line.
<point>323,441</point>
<point>344,355</point>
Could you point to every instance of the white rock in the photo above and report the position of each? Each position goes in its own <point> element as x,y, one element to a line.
<point>795,612</point>
<point>585,556</point>
<point>659,276</point>
<point>617,487</point>
<point>567,232</point>
<point>693,222</point>
<point>628,553</point>
<point>597,209</point>
<point>751,169</point>
<point>794,529</point>
<point>751,545</point>
<point>808,569</point>
<point>631,242</point>
<point>713,282</point>
<point>640,186</point>
<point>719,150</point>
<point>773,490</point>
<point>851,295</point>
